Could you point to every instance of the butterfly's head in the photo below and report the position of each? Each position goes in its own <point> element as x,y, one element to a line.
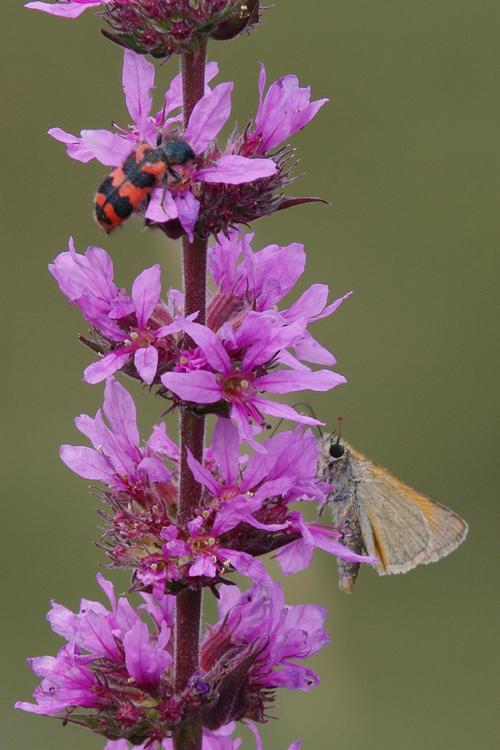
<point>336,448</point>
<point>334,457</point>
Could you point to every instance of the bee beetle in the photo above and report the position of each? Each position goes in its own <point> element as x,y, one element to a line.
<point>126,187</point>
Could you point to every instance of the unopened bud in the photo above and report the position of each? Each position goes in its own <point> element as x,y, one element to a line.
<point>245,16</point>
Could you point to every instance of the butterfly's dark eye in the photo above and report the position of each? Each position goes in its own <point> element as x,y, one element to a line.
<point>337,450</point>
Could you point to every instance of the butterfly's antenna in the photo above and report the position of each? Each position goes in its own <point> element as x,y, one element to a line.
<point>295,406</point>
<point>340,424</point>
<point>308,407</point>
<point>273,433</point>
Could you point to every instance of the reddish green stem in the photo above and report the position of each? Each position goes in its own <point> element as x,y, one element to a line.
<point>188,606</point>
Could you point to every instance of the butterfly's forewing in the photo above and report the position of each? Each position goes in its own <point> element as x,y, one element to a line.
<point>399,525</point>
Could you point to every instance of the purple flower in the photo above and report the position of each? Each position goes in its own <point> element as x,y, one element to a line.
<point>145,661</point>
<point>94,628</point>
<point>69,9</point>
<point>180,201</point>
<point>284,110</point>
<point>261,278</point>
<point>107,651</point>
<point>280,635</point>
<point>136,327</point>
<point>197,554</point>
<point>240,379</point>
<point>297,555</point>
<point>67,682</point>
<point>286,467</point>
<point>248,280</point>
<point>221,739</point>
<point>116,457</point>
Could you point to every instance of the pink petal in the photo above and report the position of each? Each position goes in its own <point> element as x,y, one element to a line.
<point>247,565</point>
<point>161,207</point>
<point>108,148</point>
<point>333,307</point>
<point>208,117</point>
<point>225,449</point>
<point>309,349</point>
<point>295,557</point>
<point>310,303</point>
<point>105,367</point>
<point>198,386</point>
<point>251,725</point>
<point>202,475</point>
<point>155,469</point>
<point>119,408</point>
<point>335,547</point>
<point>262,82</point>
<point>203,566</point>
<point>287,359</point>
<point>211,71</point>
<point>86,462</point>
<point>146,291</point>
<point>172,99</point>
<point>160,442</point>
<point>146,363</point>
<point>67,10</point>
<point>302,118</point>
<point>120,745</point>
<point>283,411</point>
<point>210,343</point>
<point>188,208</point>
<point>234,169</point>
<point>138,78</point>
<point>74,145</point>
<point>285,381</point>
<point>90,428</point>
<point>108,589</point>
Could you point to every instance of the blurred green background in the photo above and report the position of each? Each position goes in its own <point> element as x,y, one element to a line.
<point>406,154</point>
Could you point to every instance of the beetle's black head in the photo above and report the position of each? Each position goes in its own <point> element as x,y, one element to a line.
<point>176,151</point>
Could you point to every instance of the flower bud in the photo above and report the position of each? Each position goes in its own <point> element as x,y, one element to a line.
<point>164,29</point>
<point>247,15</point>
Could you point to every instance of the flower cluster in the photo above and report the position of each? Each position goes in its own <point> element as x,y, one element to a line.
<point>246,507</point>
<point>162,28</point>
<point>221,187</point>
<point>116,665</point>
<point>248,346</point>
<point>180,516</point>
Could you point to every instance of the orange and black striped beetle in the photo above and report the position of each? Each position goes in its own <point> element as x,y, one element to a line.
<point>126,187</point>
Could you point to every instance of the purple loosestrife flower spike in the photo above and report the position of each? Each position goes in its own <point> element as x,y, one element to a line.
<point>183,515</point>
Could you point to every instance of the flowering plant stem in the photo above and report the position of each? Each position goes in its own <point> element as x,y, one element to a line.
<point>188,605</point>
